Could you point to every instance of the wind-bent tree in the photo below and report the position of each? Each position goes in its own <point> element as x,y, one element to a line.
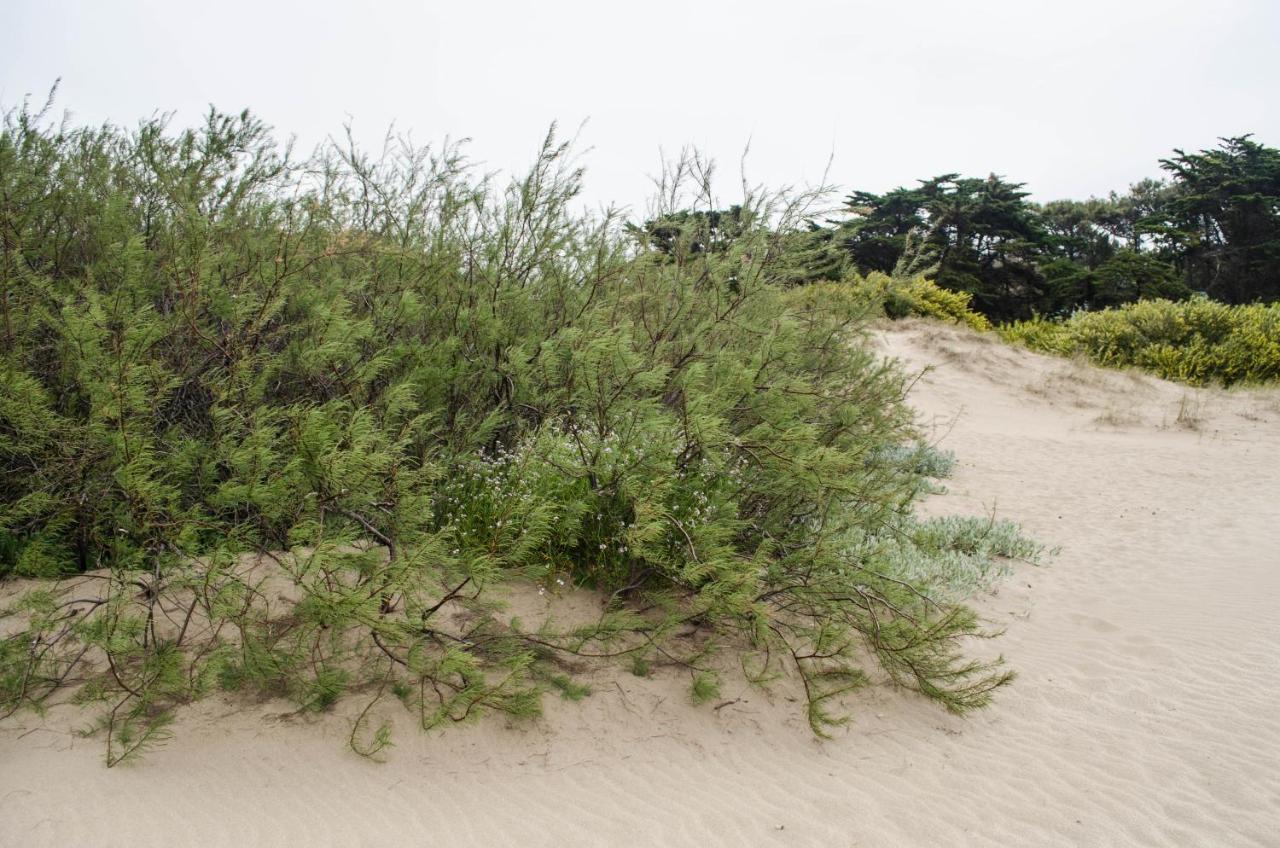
<point>1224,216</point>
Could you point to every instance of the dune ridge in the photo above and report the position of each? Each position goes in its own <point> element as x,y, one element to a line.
<point>1143,713</point>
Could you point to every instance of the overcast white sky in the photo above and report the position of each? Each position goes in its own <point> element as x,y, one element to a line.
<point>1073,98</point>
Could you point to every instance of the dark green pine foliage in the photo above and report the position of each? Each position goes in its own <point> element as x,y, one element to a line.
<point>986,240</point>
<point>694,231</point>
<point>978,236</point>
<point>877,232</point>
<point>290,426</point>
<point>1073,231</point>
<point>1224,216</point>
<point>1213,228</point>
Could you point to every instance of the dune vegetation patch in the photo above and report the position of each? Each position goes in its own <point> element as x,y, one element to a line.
<point>1197,341</point>
<point>283,426</point>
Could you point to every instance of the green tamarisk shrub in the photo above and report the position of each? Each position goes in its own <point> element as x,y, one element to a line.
<point>289,426</point>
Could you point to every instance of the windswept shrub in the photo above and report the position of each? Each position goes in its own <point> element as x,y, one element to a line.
<point>894,297</point>
<point>900,297</point>
<point>287,426</point>
<point>1197,341</point>
<point>923,297</point>
<point>1040,333</point>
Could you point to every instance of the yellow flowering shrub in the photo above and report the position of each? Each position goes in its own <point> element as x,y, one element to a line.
<point>1196,341</point>
<point>903,297</point>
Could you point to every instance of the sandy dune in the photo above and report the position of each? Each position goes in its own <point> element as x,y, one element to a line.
<point>1144,714</point>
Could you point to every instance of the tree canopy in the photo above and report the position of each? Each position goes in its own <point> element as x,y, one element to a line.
<point>1212,227</point>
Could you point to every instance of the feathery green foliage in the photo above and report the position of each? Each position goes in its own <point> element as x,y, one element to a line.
<point>287,426</point>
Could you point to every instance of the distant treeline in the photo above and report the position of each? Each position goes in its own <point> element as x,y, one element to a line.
<point>1212,227</point>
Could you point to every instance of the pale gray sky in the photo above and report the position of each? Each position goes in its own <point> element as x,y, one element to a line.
<point>1073,98</point>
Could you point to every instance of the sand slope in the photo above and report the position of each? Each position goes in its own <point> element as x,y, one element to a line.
<point>1144,713</point>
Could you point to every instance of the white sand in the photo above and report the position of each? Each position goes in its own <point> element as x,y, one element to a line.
<point>1145,711</point>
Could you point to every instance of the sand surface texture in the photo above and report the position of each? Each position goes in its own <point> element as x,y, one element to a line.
<point>1144,712</point>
